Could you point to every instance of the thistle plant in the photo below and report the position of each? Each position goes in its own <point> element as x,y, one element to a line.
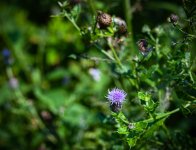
<point>98,75</point>
<point>160,67</point>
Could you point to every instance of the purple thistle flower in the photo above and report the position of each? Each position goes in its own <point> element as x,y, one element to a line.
<point>6,56</point>
<point>116,95</point>
<point>116,98</point>
<point>6,53</point>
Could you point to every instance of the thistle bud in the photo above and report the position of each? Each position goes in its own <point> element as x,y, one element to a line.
<point>143,47</point>
<point>173,19</point>
<point>142,44</point>
<point>122,29</point>
<point>121,25</point>
<point>103,19</point>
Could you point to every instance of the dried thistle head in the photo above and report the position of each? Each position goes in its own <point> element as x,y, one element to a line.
<point>121,25</point>
<point>103,19</point>
<point>143,47</point>
<point>142,44</point>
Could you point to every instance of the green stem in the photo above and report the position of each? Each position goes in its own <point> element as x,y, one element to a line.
<point>92,6</point>
<point>116,56</point>
<point>151,37</point>
<point>119,62</point>
<point>157,46</point>
<point>128,16</point>
<point>72,21</point>
<point>9,72</point>
<point>166,114</point>
<point>190,35</point>
<point>104,52</point>
<point>116,115</point>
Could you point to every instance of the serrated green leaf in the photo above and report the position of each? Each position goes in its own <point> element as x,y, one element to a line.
<point>144,96</point>
<point>123,130</point>
<point>140,126</point>
<point>152,127</point>
<point>132,141</point>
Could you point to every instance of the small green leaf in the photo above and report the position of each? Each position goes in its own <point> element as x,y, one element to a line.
<point>123,130</point>
<point>132,141</point>
<point>144,96</point>
<point>140,126</point>
<point>146,29</point>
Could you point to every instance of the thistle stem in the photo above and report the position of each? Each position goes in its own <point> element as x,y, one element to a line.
<point>128,16</point>
<point>104,52</point>
<point>92,6</point>
<point>72,21</point>
<point>116,56</point>
<point>167,114</point>
<point>188,34</point>
<point>119,62</point>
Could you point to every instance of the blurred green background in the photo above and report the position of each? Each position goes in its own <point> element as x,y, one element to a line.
<point>57,103</point>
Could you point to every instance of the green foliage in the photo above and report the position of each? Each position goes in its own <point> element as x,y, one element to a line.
<point>147,102</point>
<point>54,82</point>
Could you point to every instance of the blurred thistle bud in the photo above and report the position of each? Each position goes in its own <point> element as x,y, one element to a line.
<point>116,97</point>
<point>173,18</point>
<point>95,73</point>
<point>6,56</point>
<point>143,47</point>
<point>46,115</point>
<point>121,25</point>
<point>104,20</point>
<point>13,83</point>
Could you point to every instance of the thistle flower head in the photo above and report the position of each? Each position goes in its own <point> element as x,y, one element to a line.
<point>143,47</point>
<point>121,25</point>
<point>116,96</point>
<point>173,18</point>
